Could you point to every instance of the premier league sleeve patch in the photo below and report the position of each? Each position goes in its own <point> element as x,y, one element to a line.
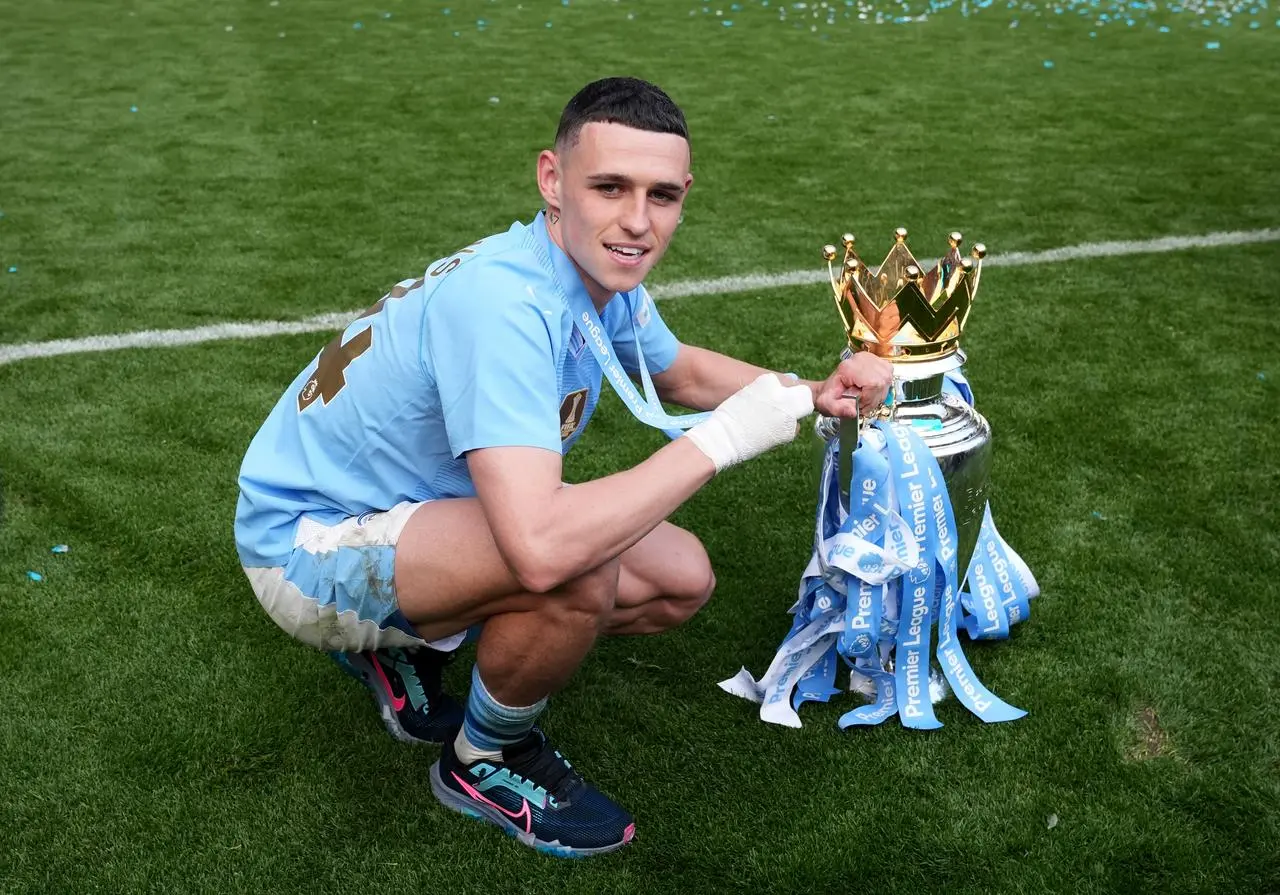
<point>571,409</point>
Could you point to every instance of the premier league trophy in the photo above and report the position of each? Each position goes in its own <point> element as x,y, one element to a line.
<point>902,513</point>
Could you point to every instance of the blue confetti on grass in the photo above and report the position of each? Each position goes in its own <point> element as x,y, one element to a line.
<point>1213,45</point>
<point>1048,63</point>
<point>60,548</point>
<point>13,269</point>
<point>1262,376</point>
<point>1098,515</point>
<point>35,576</point>
<point>728,23</point>
<point>357,26</point>
<point>133,108</point>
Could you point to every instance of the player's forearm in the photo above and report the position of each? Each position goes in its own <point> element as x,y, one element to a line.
<point>712,377</point>
<point>586,525</point>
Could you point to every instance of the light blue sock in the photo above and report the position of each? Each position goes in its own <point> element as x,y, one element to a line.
<point>489,725</point>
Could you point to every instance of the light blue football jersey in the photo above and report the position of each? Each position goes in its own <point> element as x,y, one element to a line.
<point>480,351</point>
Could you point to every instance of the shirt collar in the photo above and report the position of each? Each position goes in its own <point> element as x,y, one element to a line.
<point>566,273</point>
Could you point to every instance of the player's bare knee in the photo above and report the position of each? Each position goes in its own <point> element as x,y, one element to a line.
<point>701,589</point>
<point>709,589</point>
<point>700,580</point>
<point>678,608</point>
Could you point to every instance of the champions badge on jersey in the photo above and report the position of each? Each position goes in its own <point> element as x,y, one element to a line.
<point>906,556</point>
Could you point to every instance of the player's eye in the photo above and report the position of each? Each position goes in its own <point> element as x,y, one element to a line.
<point>663,196</point>
<point>609,189</point>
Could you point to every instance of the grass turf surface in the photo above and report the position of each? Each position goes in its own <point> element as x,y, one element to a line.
<point>161,734</point>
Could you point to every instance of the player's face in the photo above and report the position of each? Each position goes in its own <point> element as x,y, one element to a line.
<point>616,197</point>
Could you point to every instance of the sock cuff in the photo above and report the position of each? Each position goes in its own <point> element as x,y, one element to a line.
<point>503,712</point>
<point>489,725</point>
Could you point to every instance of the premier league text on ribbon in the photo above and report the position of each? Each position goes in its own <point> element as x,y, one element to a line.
<point>901,511</point>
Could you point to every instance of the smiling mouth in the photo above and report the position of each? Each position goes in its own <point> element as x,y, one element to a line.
<point>628,253</point>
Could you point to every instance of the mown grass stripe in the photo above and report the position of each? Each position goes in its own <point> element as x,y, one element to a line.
<point>167,338</point>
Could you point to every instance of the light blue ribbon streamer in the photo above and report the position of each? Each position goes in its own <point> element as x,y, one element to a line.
<point>885,705</point>
<point>867,630</point>
<point>991,566</point>
<point>855,546</point>
<point>954,383</point>
<point>860,641</point>
<point>908,456</point>
<point>647,409</point>
<point>818,683</point>
<point>834,593</point>
<point>990,618</point>
<point>942,535</point>
<point>865,603</point>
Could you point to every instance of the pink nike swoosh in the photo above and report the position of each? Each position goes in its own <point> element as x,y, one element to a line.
<point>397,702</point>
<point>524,804</point>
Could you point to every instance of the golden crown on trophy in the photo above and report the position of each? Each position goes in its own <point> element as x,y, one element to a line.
<point>900,311</point>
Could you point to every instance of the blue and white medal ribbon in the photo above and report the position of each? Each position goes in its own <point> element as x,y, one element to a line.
<point>648,409</point>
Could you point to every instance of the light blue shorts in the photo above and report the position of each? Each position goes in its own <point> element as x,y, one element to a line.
<point>337,591</point>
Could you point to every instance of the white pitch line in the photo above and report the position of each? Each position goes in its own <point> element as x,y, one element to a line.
<point>166,338</point>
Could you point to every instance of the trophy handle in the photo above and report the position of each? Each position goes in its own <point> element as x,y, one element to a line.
<point>849,438</point>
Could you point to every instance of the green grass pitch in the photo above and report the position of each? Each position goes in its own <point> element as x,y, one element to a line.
<point>159,734</point>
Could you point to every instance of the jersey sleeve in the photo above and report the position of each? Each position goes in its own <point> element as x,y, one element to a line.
<point>489,344</point>
<point>657,342</point>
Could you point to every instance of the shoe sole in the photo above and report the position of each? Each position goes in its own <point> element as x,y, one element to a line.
<point>473,809</point>
<point>359,668</point>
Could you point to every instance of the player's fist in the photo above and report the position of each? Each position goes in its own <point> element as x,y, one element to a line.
<point>863,376</point>
<point>752,420</point>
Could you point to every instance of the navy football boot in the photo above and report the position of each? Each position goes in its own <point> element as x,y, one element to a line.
<point>535,795</point>
<point>406,684</point>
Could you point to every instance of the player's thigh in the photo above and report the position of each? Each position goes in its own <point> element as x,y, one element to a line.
<point>449,572</point>
<point>667,563</point>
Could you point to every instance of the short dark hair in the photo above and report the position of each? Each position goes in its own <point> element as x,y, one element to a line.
<point>627,101</point>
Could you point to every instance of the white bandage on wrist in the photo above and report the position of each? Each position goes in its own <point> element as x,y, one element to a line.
<point>752,420</point>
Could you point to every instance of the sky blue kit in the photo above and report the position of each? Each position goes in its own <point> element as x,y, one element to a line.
<point>481,351</point>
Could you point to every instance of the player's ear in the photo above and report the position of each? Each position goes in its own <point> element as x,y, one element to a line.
<point>549,178</point>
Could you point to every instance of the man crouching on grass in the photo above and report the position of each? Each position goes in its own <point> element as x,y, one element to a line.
<point>407,485</point>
